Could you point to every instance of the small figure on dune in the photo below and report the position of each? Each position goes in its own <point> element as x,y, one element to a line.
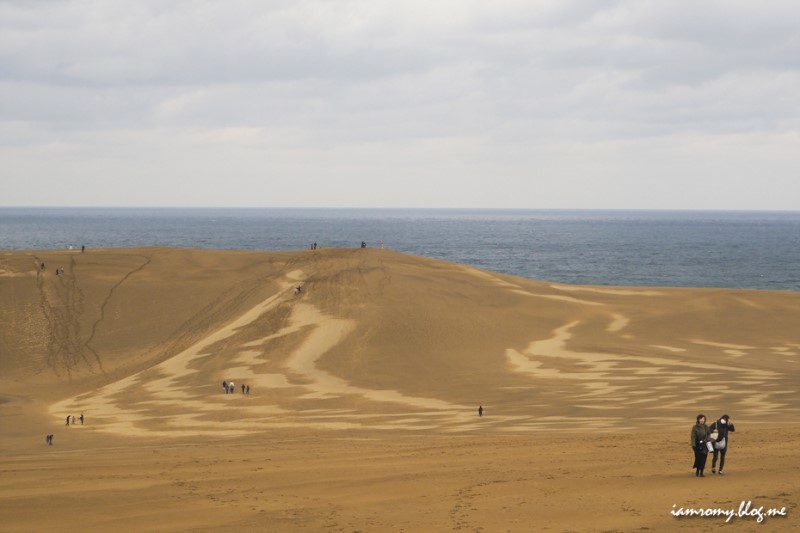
<point>480,410</point>
<point>242,388</point>
<point>81,418</point>
<point>67,419</point>
<point>248,390</point>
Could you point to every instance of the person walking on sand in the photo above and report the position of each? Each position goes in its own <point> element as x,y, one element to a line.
<point>81,418</point>
<point>698,443</point>
<point>67,419</point>
<point>480,410</point>
<point>248,390</point>
<point>723,427</point>
<point>242,388</point>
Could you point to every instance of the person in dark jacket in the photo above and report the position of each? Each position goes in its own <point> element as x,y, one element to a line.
<point>723,426</point>
<point>698,443</point>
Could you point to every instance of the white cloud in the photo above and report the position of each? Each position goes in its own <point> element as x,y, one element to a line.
<point>573,104</point>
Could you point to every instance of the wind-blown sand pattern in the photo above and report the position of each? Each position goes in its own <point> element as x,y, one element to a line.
<point>381,356</point>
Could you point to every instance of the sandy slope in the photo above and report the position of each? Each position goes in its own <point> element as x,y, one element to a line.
<point>364,390</point>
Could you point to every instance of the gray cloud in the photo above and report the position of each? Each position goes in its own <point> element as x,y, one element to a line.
<point>464,96</point>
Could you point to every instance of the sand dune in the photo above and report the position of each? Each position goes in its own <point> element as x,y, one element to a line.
<point>380,352</point>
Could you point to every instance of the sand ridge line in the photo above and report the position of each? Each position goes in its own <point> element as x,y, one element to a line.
<point>558,297</point>
<point>734,350</point>
<point>615,291</point>
<point>672,349</point>
<point>488,276</point>
<point>518,289</point>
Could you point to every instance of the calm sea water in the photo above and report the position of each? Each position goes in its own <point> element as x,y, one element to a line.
<point>759,250</point>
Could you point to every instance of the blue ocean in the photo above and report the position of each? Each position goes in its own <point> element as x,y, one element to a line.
<point>756,250</point>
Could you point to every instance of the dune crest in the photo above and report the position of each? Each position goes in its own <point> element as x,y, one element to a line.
<point>380,340</point>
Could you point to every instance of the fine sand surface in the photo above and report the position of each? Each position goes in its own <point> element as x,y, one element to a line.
<point>364,389</point>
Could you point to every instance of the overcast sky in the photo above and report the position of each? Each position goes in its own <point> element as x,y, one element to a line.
<point>526,104</point>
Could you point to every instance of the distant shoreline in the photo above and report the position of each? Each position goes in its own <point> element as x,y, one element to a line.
<point>398,209</point>
<point>719,249</point>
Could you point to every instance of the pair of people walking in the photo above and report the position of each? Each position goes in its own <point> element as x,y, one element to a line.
<point>715,439</point>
